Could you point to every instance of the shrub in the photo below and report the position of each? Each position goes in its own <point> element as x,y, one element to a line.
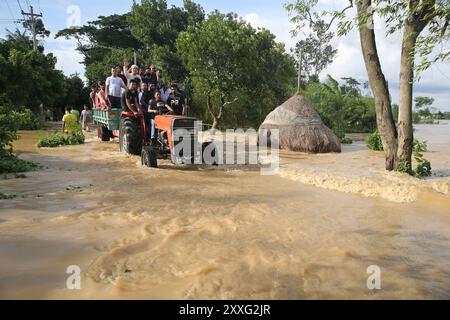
<point>28,120</point>
<point>10,122</point>
<point>423,168</point>
<point>6,196</point>
<point>11,164</point>
<point>346,140</point>
<point>339,133</point>
<point>374,141</point>
<point>57,140</point>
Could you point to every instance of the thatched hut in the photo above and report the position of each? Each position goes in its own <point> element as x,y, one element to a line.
<point>300,128</point>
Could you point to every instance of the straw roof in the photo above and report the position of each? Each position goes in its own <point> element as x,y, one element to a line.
<point>301,128</point>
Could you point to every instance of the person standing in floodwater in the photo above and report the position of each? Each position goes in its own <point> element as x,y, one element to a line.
<point>70,121</point>
<point>86,119</point>
<point>76,113</point>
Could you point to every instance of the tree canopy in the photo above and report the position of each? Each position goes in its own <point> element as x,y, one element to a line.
<point>29,78</point>
<point>228,59</point>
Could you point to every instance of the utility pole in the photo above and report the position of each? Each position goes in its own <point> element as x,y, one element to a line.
<point>32,21</point>
<point>299,70</point>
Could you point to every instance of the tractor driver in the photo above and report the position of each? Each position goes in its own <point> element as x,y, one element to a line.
<point>155,107</point>
<point>130,98</point>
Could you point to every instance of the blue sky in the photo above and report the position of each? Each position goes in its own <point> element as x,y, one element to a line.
<point>260,13</point>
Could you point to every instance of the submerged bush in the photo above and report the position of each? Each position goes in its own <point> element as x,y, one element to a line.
<point>346,140</point>
<point>6,196</point>
<point>374,141</point>
<point>423,168</point>
<point>9,163</point>
<point>340,134</point>
<point>57,140</point>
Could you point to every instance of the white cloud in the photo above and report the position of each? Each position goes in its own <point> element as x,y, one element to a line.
<point>281,29</point>
<point>69,59</point>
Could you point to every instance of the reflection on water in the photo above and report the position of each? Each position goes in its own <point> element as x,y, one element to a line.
<point>210,233</point>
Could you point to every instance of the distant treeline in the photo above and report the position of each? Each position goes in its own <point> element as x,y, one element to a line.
<point>29,79</point>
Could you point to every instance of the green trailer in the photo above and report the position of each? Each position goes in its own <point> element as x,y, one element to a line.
<point>108,122</point>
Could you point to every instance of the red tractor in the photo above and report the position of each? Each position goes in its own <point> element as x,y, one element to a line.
<point>177,138</point>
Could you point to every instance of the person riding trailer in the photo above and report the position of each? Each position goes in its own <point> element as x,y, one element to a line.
<point>130,99</point>
<point>176,102</point>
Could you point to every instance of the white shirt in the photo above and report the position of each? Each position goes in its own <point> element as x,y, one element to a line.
<point>115,86</point>
<point>165,94</point>
<point>130,77</point>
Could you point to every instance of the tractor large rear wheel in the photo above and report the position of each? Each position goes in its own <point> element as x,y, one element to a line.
<point>130,138</point>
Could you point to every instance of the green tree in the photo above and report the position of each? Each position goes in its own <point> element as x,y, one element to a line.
<point>341,106</point>
<point>24,68</point>
<point>317,52</point>
<point>229,60</point>
<point>422,102</point>
<point>158,26</point>
<point>41,31</point>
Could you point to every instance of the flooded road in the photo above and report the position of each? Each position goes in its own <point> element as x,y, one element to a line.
<point>140,233</point>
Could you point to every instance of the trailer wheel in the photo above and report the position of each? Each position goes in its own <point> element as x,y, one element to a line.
<point>148,157</point>
<point>210,155</point>
<point>130,137</point>
<point>105,133</point>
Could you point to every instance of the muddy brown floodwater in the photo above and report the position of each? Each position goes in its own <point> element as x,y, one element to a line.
<point>311,231</point>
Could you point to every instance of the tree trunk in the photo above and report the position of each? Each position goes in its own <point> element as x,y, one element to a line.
<point>378,84</point>
<point>414,25</point>
<point>216,118</point>
<point>405,127</point>
<point>216,123</point>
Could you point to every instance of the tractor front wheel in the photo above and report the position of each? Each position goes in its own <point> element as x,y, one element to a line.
<point>130,137</point>
<point>148,157</point>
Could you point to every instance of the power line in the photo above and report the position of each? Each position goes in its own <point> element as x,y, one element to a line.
<point>9,9</point>
<point>15,21</point>
<point>440,71</point>
<point>20,6</point>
